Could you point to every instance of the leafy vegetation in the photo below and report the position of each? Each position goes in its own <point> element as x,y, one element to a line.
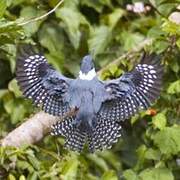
<point>150,146</point>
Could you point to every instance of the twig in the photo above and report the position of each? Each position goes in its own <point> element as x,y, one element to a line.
<point>42,16</point>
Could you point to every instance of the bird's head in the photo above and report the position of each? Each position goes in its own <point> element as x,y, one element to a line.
<point>87,70</point>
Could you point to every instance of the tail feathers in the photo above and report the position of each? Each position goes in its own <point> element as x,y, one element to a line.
<point>75,139</point>
<point>104,135</point>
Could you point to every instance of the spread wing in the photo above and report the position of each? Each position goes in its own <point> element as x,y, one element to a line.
<point>134,90</point>
<point>41,83</point>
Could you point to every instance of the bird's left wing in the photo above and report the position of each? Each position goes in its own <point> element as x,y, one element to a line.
<point>41,83</point>
<point>134,90</point>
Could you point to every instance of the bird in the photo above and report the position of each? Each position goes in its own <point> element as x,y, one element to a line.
<point>98,106</point>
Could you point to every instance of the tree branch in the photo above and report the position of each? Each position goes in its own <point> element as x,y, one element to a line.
<point>39,125</point>
<point>31,131</point>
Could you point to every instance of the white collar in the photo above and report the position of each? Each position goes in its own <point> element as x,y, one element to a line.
<point>89,76</point>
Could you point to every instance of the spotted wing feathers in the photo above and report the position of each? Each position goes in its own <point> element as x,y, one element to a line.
<point>151,72</point>
<point>134,90</point>
<point>40,82</point>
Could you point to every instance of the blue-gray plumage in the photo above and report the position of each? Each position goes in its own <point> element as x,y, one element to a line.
<point>99,105</point>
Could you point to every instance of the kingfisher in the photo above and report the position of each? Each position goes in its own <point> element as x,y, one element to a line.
<point>98,106</point>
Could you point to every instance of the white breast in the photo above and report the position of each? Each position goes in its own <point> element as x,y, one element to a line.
<point>89,76</point>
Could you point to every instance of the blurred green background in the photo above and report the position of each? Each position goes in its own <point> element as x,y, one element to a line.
<point>150,146</point>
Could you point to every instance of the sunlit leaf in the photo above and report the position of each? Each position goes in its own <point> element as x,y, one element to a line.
<point>93,4</point>
<point>99,39</point>
<point>22,177</point>
<point>2,7</point>
<point>29,13</point>
<point>69,170</point>
<point>13,86</point>
<point>98,161</point>
<point>131,40</point>
<point>152,154</point>
<point>174,87</point>
<point>11,177</point>
<point>109,175</point>
<point>167,140</point>
<point>72,20</point>
<point>130,175</point>
<point>114,17</point>
<point>159,121</point>
<point>156,174</point>
<point>171,27</point>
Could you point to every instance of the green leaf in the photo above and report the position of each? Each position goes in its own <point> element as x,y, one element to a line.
<point>30,12</point>
<point>3,92</point>
<point>52,38</point>
<point>9,26</point>
<point>160,45</point>
<point>34,162</point>
<point>141,156</point>
<point>16,108</point>
<point>171,27</point>
<point>93,4</point>
<point>109,175</point>
<point>178,43</point>
<point>114,17</point>
<point>22,177</point>
<point>111,158</point>
<point>2,7</point>
<point>130,175</point>
<point>98,161</point>
<point>156,174</point>
<point>159,121</point>
<point>72,20</point>
<point>152,154</point>
<point>72,4</point>
<point>11,177</point>
<point>156,32</point>
<point>174,88</point>
<point>13,86</point>
<point>167,140</point>
<point>10,31</point>
<point>106,3</point>
<point>70,168</point>
<point>24,165</point>
<point>56,59</point>
<point>113,69</point>
<point>99,39</point>
<point>175,66</point>
<point>131,40</point>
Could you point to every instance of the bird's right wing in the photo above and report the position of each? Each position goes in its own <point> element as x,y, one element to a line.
<point>41,83</point>
<point>134,90</point>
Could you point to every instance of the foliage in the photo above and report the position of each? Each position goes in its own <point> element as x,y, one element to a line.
<point>150,146</point>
